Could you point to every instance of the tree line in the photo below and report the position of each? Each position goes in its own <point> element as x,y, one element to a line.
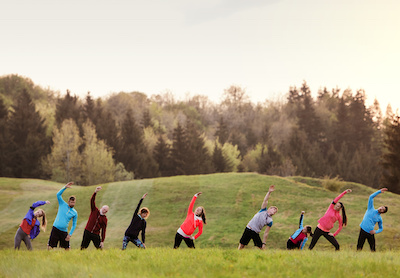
<point>129,135</point>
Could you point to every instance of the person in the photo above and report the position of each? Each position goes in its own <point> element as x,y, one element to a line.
<point>371,217</point>
<point>193,220</point>
<point>138,224</point>
<point>326,222</point>
<point>259,220</point>
<point>299,238</point>
<point>97,221</point>
<point>66,212</point>
<point>30,226</point>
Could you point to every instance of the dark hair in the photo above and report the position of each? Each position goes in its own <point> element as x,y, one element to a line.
<point>203,215</point>
<point>72,198</point>
<point>344,214</point>
<point>309,230</point>
<point>386,209</point>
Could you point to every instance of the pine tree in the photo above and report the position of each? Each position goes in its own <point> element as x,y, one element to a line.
<point>218,159</point>
<point>179,151</point>
<point>68,108</point>
<point>3,140</point>
<point>391,158</point>
<point>162,155</point>
<point>222,131</point>
<point>28,141</point>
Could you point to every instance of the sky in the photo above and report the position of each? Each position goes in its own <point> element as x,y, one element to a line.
<point>203,47</point>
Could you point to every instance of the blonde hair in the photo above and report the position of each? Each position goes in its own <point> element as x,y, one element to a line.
<point>143,210</point>
<point>44,219</point>
<point>274,208</point>
<point>203,215</point>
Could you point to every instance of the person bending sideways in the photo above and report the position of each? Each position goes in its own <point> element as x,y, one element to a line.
<point>299,238</point>
<point>138,224</point>
<point>371,217</point>
<point>66,212</point>
<point>259,220</point>
<point>97,222</point>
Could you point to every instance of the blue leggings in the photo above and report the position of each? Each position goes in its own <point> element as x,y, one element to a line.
<point>135,241</point>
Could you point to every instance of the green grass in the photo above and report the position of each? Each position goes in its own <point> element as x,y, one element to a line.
<point>230,201</point>
<point>206,262</point>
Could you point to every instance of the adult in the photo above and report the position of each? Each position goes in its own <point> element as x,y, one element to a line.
<point>257,223</point>
<point>193,220</point>
<point>97,221</point>
<point>300,237</point>
<point>326,222</point>
<point>66,212</point>
<point>138,224</point>
<point>371,217</point>
<point>30,225</point>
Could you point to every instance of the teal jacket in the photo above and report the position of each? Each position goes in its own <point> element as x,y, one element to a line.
<point>372,216</point>
<point>64,214</point>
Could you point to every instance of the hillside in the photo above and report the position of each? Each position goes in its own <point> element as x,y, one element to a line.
<point>230,201</point>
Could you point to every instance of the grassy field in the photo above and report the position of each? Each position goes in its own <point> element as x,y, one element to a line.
<point>230,201</point>
<point>207,262</point>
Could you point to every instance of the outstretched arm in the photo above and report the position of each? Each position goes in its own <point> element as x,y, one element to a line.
<point>138,206</point>
<point>372,196</point>
<point>341,195</point>
<point>191,205</point>
<point>59,193</point>
<point>265,202</point>
<point>301,219</point>
<point>93,199</point>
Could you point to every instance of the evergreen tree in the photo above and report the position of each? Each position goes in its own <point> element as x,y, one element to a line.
<point>3,140</point>
<point>146,121</point>
<point>218,159</point>
<point>179,151</point>
<point>391,158</point>
<point>89,110</point>
<point>68,108</point>
<point>28,141</point>
<point>222,131</point>
<point>162,155</point>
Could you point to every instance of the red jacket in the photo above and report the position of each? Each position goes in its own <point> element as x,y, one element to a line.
<point>96,220</point>
<point>192,222</point>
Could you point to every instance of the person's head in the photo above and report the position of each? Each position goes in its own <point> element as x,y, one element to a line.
<point>307,230</point>
<point>200,212</point>
<point>72,201</point>
<point>383,209</point>
<point>272,210</point>
<point>104,209</point>
<point>41,213</point>
<point>339,206</point>
<point>144,212</point>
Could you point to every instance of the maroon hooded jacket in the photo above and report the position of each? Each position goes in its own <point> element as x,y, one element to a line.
<point>96,220</point>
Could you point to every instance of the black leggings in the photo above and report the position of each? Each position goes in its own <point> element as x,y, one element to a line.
<point>178,240</point>
<point>318,233</point>
<point>361,240</point>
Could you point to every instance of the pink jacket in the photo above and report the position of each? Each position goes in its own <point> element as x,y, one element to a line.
<point>191,223</point>
<point>327,221</point>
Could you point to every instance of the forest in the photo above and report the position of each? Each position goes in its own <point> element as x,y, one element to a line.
<point>129,135</point>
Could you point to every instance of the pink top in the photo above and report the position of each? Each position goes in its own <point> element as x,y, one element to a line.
<point>327,221</point>
<point>192,222</point>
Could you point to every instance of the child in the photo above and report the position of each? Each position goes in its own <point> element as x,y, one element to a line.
<point>299,238</point>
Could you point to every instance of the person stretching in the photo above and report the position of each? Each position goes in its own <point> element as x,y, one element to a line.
<point>138,224</point>
<point>326,222</point>
<point>97,221</point>
<point>29,228</point>
<point>259,220</point>
<point>371,217</point>
<point>193,220</point>
<point>299,238</point>
<point>66,212</point>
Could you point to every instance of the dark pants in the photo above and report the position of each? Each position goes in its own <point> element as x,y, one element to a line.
<point>57,236</point>
<point>318,233</point>
<point>178,239</point>
<point>361,240</point>
<point>20,235</point>
<point>88,237</point>
<point>290,245</point>
<point>249,234</point>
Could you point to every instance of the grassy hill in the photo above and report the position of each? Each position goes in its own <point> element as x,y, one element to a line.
<point>230,200</point>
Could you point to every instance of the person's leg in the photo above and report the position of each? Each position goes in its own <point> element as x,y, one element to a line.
<point>85,240</point>
<point>317,234</point>
<point>245,239</point>
<point>125,242</point>
<point>27,241</point>
<point>371,241</point>
<point>361,239</point>
<point>64,243</point>
<point>257,240</point>
<point>178,240</point>
<point>332,240</point>
<point>138,243</point>
<point>53,239</point>
<point>189,242</point>
<point>18,238</point>
<point>290,245</point>
<point>96,240</point>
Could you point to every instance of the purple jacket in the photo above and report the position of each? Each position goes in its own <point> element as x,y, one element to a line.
<point>29,216</point>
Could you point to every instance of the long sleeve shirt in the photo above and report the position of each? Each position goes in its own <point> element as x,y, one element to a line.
<point>299,237</point>
<point>29,224</point>
<point>96,221</point>
<point>192,221</point>
<point>137,224</point>
<point>327,221</point>
<point>372,216</point>
<point>65,214</point>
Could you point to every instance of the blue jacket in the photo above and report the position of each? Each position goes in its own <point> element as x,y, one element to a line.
<point>64,214</point>
<point>372,216</point>
<point>29,217</point>
<point>298,231</point>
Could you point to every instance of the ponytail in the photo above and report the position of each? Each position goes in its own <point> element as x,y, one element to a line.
<point>44,220</point>
<point>203,215</point>
<point>344,214</point>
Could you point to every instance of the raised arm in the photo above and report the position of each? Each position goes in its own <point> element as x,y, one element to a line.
<point>93,199</point>
<point>301,219</point>
<point>265,202</point>
<point>340,196</point>
<point>138,206</point>
<point>59,193</point>
<point>191,205</point>
<point>372,196</point>
<point>39,203</point>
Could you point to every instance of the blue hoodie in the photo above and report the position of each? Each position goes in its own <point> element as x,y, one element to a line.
<point>64,214</point>
<point>29,217</point>
<point>298,231</point>
<point>372,216</point>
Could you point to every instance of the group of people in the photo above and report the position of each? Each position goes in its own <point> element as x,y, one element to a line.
<point>195,219</point>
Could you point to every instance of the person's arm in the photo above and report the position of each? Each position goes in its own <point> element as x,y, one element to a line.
<point>301,220</point>
<point>340,227</point>
<point>74,221</point>
<point>264,244</point>
<point>191,205</point>
<point>199,232</point>
<point>372,196</point>
<point>93,199</point>
<point>265,202</point>
<point>303,243</point>
<point>59,193</point>
<point>340,196</point>
<point>379,230</point>
<point>138,206</point>
<point>103,232</point>
<point>38,204</point>
<point>144,232</point>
